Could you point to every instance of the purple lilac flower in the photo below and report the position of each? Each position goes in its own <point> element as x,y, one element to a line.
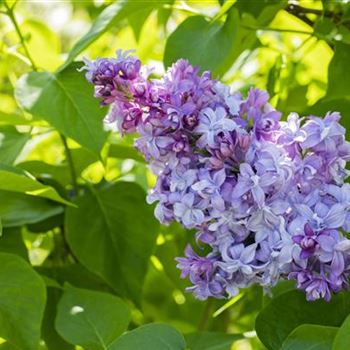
<point>266,197</point>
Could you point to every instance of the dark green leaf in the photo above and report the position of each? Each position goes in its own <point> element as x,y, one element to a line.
<point>76,113</point>
<point>339,73</point>
<point>91,319</point>
<point>11,241</point>
<point>11,144</point>
<point>150,337</point>
<point>211,340</point>
<point>217,40</point>
<point>113,234</point>
<point>22,295</point>
<point>18,209</point>
<point>52,339</point>
<point>310,337</point>
<point>76,275</point>
<point>342,338</point>
<point>272,329</point>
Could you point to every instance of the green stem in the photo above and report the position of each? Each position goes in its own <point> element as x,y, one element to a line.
<point>13,19</point>
<point>70,163</point>
<point>203,322</point>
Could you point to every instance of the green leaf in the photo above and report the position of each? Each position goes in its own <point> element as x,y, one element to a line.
<point>14,182</point>
<point>342,338</point>
<point>310,337</point>
<point>211,340</point>
<point>11,144</point>
<point>338,73</point>
<point>113,234</point>
<point>125,152</point>
<point>91,319</point>
<point>13,119</point>
<point>49,334</point>
<point>272,329</point>
<point>217,40</point>
<point>137,20</point>
<point>18,209</point>
<point>65,100</point>
<point>22,302</point>
<point>150,337</point>
<point>11,241</point>
<point>106,20</point>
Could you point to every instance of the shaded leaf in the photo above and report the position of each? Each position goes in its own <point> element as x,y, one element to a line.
<point>211,340</point>
<point>18,209</point>
<point>91,319</point>
<point>11,144</point>
<point>113,234</point>
<point>310,337</point>
<point>11,241</point>
<point>342,338</point>
<point>338,73</point>
<point>150,337</point>
<point>296,310</point>
<point>22,296</point>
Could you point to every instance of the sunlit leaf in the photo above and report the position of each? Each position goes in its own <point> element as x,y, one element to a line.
<point>218,41</point>
<point>65,100</point>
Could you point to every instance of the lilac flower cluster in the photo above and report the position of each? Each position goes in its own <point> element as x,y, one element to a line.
<point>267,196</point>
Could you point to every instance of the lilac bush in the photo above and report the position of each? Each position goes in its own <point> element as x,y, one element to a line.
<point>267,196</point>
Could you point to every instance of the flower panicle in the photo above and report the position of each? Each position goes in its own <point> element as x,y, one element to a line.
<point>268,197</point>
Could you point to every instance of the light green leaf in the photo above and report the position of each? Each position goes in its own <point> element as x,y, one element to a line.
<point>65,100</point>
<point>113,234</point>
<point>342,338</point>
<point>22,302</point>
<point>125,152</point>
<point>217,40</point>
<point>310,337</point>
<point>150,337</point>
<point>272,330</point>
<point>10,181</point>
<point>13,119</point>
<point>91,319</point>
<point>11,144</point>
<point>211,340</point>
<point>106,20</point>
<point>18,209</point>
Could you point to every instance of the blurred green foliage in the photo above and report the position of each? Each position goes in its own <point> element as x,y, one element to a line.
<point>81,257</point>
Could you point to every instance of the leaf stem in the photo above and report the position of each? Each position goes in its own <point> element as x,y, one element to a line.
<point>10,13</point>
<point>70,164</point>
